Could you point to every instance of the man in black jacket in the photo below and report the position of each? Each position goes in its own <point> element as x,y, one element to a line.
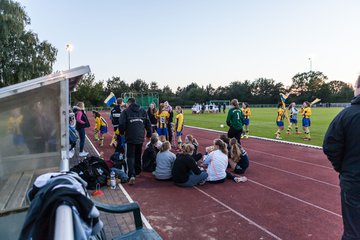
<point>342,147</point>
<point>132,122</point>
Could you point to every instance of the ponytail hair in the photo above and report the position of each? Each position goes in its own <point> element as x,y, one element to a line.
<point>179,109</point>
<point>222,146</point>
<point>192,140</point>
<point>165,146</point>
<point>235,151</point>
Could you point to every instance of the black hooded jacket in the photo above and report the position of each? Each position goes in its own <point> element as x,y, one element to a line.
<point>132,122</point>
<point>342,145</point>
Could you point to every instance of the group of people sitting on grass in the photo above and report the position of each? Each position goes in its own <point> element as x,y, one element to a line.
<point>188,168</point>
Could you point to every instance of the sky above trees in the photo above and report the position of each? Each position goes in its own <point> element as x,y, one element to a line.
<point>207,41</point>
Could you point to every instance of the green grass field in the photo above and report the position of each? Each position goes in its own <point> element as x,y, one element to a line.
<point>262,123</point>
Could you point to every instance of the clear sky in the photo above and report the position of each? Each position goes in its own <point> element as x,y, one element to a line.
<point>176,42</point>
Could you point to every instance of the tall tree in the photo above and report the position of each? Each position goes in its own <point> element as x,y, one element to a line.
<point>22,55</point>
<point>154,86</point>
<point>117,86</point>
<point>139,86</point>
<point>309,85</point>
<point>266,90</point>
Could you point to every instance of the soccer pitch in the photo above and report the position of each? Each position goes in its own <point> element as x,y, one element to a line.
<point>262,123</point>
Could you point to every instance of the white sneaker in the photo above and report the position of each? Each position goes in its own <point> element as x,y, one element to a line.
<point>71,153</point>
<point>83,154</point>
<point>132,181</point>
<point>240,179</point>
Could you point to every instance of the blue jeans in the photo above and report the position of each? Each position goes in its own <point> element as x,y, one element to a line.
<point>121,174</point>
<point>194,179</point>
<point>81,132</point>
<point>350,206</point>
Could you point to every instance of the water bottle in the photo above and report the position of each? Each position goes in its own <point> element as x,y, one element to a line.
<point>112,180</point>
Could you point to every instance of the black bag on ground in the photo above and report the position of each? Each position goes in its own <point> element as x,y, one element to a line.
<point>93,170</point>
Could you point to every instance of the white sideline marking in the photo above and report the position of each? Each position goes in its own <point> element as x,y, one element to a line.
<point>299,175</point>
<point>143,218</point>
<point>261,138</point>
<point>295,198</point>
<point>291,159</point>
<point>239,214</point>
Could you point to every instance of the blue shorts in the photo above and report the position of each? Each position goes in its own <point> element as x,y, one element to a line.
<point>103,129</point>
<point>179,133</point>
<point>280,123</point>
<point>293,120</point>
<point>306,122</point>
<point>162,131</point>
<point>247,122</point>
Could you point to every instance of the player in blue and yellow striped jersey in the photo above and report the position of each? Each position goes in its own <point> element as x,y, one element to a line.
<point>247,113</point>
<point>306,113</point>
<point>280,119</point>
<point>100,129</point>
<point>179,124</point>
<point>162,117</point>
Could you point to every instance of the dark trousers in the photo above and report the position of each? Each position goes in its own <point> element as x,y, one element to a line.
<point>350,206</point>
<point>133,156</point>
<point>233,133</point>
<point>81,132</point>
<point>170,133</point>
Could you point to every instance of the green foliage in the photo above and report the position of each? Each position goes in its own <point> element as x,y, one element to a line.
<point>90,92</point>
<point>262,123</point>
<point>22,55</point>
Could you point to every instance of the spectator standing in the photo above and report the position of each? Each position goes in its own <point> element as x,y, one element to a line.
<point>115,117</point>
<point>170,119</point>
<point>342,147</point>
<point>133,120</point>
<point>152,116</point>
<point>82,122</point>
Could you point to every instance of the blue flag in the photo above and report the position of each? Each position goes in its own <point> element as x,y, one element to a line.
<point>110,99</point>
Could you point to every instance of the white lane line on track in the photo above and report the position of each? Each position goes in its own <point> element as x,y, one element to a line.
<point>299,175</point>
<point>290,159</point>
<point>143,218</point>
<point>295,198</point>
<point>239,214</point>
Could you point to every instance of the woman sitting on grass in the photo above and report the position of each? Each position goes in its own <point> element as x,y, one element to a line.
<point>216,162</point>
<point>164,162</point>
<point>185,171</point>
<point>239,160</point>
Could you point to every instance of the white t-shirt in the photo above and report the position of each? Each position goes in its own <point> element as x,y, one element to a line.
<point>217,163</point>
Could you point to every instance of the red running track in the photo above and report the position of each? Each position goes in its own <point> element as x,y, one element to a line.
<point>292,193</point>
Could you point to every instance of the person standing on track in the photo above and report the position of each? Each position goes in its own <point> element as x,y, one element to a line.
<point>342,147</point>
<point>162,120</point>
<point>235,120</point>
<point>114,117</point>
<point>133,120</point>
<point>82,122</point>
